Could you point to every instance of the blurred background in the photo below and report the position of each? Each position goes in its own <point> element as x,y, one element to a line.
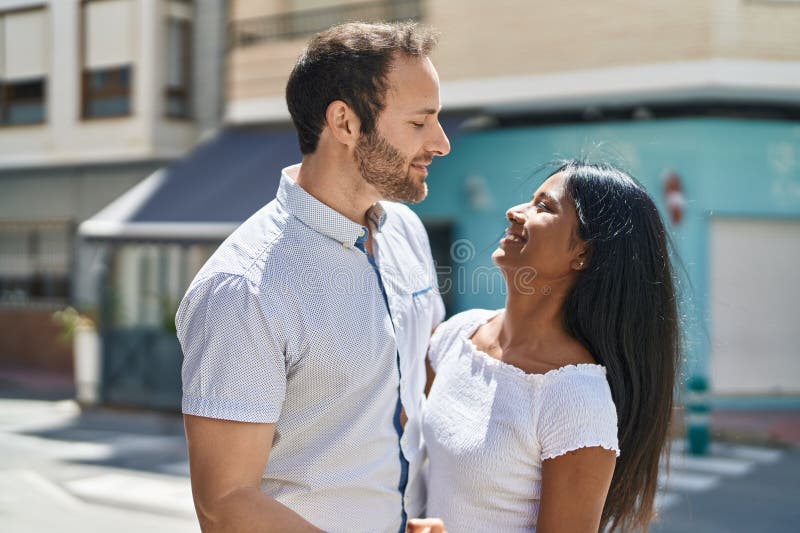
<point>136,134</point>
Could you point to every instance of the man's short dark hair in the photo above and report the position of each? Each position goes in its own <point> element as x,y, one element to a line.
<point>349,62</point>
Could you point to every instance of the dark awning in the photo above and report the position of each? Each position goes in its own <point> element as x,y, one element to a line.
<point>203,196</point>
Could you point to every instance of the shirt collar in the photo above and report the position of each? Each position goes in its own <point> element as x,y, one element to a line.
<point>319,216</point>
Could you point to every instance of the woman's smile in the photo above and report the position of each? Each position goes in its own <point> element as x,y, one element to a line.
<point>512,238</point>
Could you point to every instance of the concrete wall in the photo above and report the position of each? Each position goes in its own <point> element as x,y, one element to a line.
<point>30,338</point>
<point>66,193</point>
<point>66,138</point>
<point>209,64</point>
<point>522,39</point>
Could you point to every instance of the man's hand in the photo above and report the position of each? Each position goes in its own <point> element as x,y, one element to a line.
<point>425,525</point>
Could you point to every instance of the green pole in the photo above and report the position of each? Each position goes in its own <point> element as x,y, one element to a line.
<point>698,414</point>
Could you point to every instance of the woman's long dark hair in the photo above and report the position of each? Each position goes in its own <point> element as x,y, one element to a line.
<point>623,309</point>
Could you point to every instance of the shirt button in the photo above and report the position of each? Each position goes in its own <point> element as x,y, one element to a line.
<point>362,232</point>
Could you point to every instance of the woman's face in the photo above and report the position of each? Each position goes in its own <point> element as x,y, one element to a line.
<point>542,235</point>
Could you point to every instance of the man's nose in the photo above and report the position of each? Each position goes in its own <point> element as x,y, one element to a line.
<point>439,144</point>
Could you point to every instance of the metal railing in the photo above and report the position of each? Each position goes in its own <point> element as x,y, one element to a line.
<point>296,24</point>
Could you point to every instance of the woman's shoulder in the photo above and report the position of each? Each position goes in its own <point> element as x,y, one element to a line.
<point>455,328</point>
<point>576,384</point>
<point>464,323</point>
<point>466,319</point>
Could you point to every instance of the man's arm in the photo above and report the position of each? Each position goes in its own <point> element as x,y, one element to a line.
<point>226,462</point>
<point>574,489</point>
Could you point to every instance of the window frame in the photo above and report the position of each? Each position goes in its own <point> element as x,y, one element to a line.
<point>85,74</point>
<point>187,66</point>
<point>4,84</point>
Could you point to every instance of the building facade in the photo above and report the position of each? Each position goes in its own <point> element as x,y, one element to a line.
<point>708,91</point>
<point>94,96</point>
<point>699,98</point>
<point>543,56</point>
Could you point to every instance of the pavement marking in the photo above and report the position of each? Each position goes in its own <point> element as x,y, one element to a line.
<point>752,453</point>
<point>57,449</point>
<point>152,493</point>
<point>665,500</point>
<point>713,465</point>
<point>110,446</point>
<point>32,415</point>
<point>31,502</point>
<point>686,482</point>
<point>739,451</point>
<point>45,487</point>
<point>697,473</point>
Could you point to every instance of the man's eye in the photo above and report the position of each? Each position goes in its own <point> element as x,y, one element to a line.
<point>542,205</point>
<point>418,124</point>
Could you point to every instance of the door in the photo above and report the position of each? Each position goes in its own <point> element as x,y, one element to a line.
<point>755,295</point>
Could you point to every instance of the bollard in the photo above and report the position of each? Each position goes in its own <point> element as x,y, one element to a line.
<point>698,414</point>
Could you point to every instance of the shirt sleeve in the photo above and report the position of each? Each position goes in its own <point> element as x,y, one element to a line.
<point>576,411</point>
<point>233,351</point>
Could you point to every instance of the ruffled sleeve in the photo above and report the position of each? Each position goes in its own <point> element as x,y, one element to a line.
<point>576,410</point>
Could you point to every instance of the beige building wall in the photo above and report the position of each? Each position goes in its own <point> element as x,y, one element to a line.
<point>513,39</point>
<point>757,29</point>
<point>553,36</point>
<point>65,138</point>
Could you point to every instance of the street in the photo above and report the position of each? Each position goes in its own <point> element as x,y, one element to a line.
<point>735,489</point>
<point>64,469</point>
<point>96,471</point>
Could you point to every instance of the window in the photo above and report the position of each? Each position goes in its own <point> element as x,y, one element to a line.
<point>177,102</point>
<point>34,261</point>
<point>23,67</point>
<point>108,53</point>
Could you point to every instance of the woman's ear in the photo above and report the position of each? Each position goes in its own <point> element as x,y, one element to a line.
<point>342,122</point>
<point>581,260</point>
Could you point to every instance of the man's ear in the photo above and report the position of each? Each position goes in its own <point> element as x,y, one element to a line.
<point>342,123</point>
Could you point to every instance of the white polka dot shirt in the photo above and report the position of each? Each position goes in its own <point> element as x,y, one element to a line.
<point>287,324</point>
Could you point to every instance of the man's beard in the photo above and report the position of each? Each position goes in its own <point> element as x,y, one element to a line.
<point>384,167</point>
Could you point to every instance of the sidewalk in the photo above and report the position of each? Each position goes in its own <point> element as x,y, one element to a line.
<point>778,427</point>
<point>95,469</point>
<point>33,384</point>
<point>135,461</point>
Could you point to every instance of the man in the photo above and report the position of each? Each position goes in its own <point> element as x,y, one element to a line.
<point>304,336</point>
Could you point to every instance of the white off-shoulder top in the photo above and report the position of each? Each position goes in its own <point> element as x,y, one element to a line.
<point>488,426</point>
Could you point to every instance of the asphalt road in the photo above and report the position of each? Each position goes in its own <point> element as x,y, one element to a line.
<point>766,499</point>
<point>67,470</point>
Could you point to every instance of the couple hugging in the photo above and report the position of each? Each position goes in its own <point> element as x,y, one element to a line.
<point>315,403</point>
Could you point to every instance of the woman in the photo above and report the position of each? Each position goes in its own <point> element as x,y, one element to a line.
<point>532,404</point>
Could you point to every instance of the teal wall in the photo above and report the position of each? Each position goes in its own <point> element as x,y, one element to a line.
<point>729,167</point>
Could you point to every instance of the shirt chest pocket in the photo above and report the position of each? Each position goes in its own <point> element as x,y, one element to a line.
<point>417,314</point>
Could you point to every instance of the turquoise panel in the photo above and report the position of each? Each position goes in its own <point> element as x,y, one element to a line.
<point>729,167</point>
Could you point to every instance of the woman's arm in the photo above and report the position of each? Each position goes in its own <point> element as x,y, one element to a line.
<point>574,489</point>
